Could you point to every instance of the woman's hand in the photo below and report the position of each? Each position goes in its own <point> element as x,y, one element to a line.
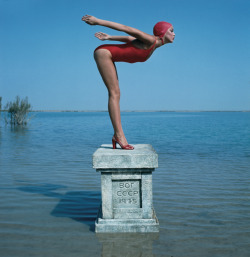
<point>91,20</point>
<point>102,36</point>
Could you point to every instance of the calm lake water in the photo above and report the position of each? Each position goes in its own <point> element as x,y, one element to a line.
<point>50,194</point>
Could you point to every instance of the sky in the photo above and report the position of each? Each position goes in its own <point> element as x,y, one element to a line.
<point>46,54</point>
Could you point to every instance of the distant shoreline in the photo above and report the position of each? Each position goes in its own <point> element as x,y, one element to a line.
<point>139,111</point>
<point>178,111</point>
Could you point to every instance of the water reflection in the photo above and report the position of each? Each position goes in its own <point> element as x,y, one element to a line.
<point>127,244</point>
<point>22,130</point>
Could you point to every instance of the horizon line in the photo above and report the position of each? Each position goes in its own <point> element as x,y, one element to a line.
<point>135,111</point>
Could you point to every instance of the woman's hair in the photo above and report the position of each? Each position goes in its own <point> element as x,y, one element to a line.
<point>161,28</point>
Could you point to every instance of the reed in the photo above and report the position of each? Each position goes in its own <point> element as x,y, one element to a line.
<point>18,111</point>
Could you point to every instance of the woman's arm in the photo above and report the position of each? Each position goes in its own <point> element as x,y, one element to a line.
<point>142,36</point>
<point>103,36</point>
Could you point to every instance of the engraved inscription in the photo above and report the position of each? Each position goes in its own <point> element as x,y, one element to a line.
<point>126,193</point>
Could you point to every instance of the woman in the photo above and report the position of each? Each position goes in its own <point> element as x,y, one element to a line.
<point>138,48</point>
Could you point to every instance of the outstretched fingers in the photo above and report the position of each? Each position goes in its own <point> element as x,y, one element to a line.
<point>89,19</point>
<point>102,36</point>
<point>85,18</point>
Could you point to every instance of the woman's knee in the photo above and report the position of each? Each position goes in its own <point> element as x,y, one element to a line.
<point>115,93</point>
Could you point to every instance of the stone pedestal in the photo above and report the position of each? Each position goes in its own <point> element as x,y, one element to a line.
<point>126,181</point>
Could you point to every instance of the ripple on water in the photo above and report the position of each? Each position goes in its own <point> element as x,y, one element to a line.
<point>50,194</point>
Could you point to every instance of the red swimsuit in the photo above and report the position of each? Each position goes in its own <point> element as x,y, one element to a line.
<point>127,52</point>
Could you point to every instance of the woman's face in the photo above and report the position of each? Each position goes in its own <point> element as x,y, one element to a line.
<point>169,35</point>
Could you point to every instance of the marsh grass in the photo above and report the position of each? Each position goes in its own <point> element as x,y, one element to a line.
<point>18,111</point>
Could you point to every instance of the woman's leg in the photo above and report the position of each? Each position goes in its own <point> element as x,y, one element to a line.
<point>107,70</point>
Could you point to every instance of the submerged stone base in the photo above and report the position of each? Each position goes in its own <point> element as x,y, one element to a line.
<point>126,225</point>
<point>127,244</point>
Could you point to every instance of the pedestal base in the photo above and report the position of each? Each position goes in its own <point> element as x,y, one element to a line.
<point>126,225</point>
<point>127,244</point>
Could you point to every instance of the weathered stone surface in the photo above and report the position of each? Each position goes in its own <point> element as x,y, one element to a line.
<point>126,193</point>
<point>146,191</point>
<point>126,180</point>
<point>143,156</point>
<point>127,225</point>
<point>107,205</point>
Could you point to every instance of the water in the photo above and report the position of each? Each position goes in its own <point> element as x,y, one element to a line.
<point>49,193</point>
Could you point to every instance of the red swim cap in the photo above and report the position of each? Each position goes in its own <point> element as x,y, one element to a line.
<point>161,28</point>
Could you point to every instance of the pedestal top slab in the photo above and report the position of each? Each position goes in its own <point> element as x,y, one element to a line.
<point>143,156</point>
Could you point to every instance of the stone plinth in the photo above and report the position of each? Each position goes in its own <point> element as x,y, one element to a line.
<point>126,181</point>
